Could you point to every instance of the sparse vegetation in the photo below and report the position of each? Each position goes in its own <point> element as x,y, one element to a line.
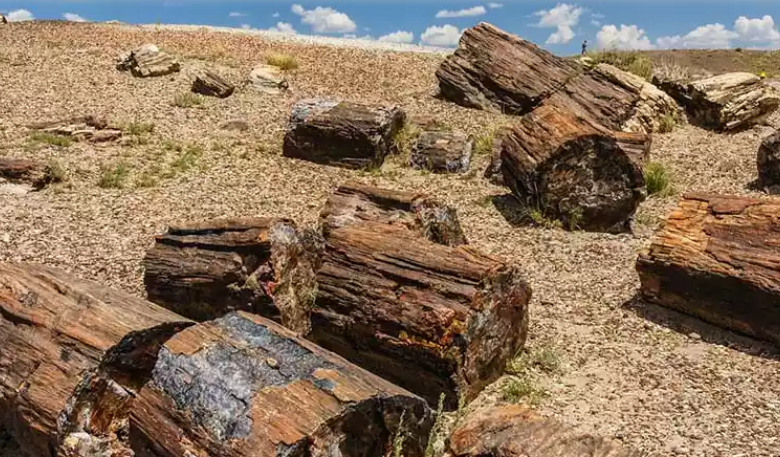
<point>539,218</point>
<point>51,139</point>
<point>114,176</point>
<point>436,430</point>
<point>522,389</point>
<point>55,171</point>
<point>658,180</point>
<point>669,70</point>
<point>399,437</point>
<point>187,100</point>
<point>667,123</point>
<point>187,160</point>
<point>137,128</point>
<point>404,139</point>
<point>284,62</point>
<point>630,61</point>
<point>483,145</point>
<point>544,358</point>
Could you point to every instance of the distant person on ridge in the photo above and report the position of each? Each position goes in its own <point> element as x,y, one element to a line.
<point>584,47</point>
<point>4,20</point>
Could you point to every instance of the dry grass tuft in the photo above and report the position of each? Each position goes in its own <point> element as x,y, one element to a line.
<point>669,70</point>
<point>630,61</point>
<point>658,180</point>
<point>187,100</point>
<point>114,176</point>
<point>284,62</point>
<point>60,141</point>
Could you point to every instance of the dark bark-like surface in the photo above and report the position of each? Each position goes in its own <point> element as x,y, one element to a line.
<point>768,161</point>
<point>587,176</point>
<point>717,258</point>
<point>726,102</point>
<point>343,134</point>
<point>148,61</point>
<point>431,318</point>
<point>23,171</point>
<point>244,386</point>
<point>494,172</point>
<point>206,269</point>
<point>60,336</point>
<point>355,203</point>
<point>442,152</point>
<point>516,431</point>
<point>212,85</point>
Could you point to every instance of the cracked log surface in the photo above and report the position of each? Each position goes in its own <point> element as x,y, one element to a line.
<point>718,259</point>
<point>206,269</point>
<point>768,161</point>
<point>23,171</point>
<point>431,318</point>
<point>516,431</point>
<point>212,85</point>
<point>354,203</point>
<point>344,134</point>
<point>575,170</point>
<point>245,386</point>
<point>60,336</point>
<point>442,152</point>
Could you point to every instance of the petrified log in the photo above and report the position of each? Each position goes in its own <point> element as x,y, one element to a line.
<point>91,128</point>
<point>212,85</point>
<point>242,385</point>
<point>23,171</point>
<point>207,269</point>
<point>516,431</point>
<point>344,134</point>
<point>717,258</point>
<point>727,102</point>
<point>431,318</point>
<point>73,352</point>
<point>442,152</point>
<point>148,61</point>
<point>768,161</point>
<point>268,79</point>
<point>355,203</point>
<point>575,170</point>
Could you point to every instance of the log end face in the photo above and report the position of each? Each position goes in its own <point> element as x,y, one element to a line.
<point>768,161</point>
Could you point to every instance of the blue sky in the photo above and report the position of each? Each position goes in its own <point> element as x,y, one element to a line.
<point>558,26</point>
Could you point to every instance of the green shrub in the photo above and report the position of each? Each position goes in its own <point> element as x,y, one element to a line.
<point>658,179</point>
<point>114,176</point>
<point>523,389</point>
<point>187,159</point>
<point>483,145</point>
<point>404,139</point>
<point>667,123</point>
<point>51,139</point>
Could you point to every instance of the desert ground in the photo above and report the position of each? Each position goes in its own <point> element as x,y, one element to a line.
<point>651,378</point>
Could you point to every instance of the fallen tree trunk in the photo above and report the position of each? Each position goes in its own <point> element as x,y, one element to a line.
<point>431,318</point>
<point>23,171</point>
<point>212,85</point>
<point>204,270</point>
<point>72,354</point>
<point>516,431</point>
<point>242,385</point>
<point>148,61</point>
<point>575,170</point>
<point>768,162</point>
<point>717,259</point>
<point>442,152</point>
<point>727,102</point>
<point>355,203</point>
<point>90,128</point>
<point>343,134</point>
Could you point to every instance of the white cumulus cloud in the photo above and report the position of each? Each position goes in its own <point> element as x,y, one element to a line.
<point>563,17</point>
<point>468,12</point>
<point>445,36</point>
<point>237,14</point>
<point>73,17</point>
<point>19,16</point>
<point>761,30</point>
<point>494,5</point>
<point>400,36</point>
<point>275,15</point>
<point>325,20</point>
<point>703,37</point>
<point>283,27</point>
<point>625,37</point>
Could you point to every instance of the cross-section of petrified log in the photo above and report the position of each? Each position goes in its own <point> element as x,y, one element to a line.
<point>244,386</point>
<point>344,134</point>
<point>718,258</point>
<point>516,431</point>
<point>71,353</point>
<point>212,85</point>
<point>207,269</point>
<point>355,203</point>
<point>442,152</point>
<point>431,318</point>
<point>575,170</point>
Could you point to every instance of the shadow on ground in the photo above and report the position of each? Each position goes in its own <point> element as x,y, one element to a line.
<point>512,210</point>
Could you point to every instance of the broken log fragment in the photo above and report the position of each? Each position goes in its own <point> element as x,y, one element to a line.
<point>442,152</point>
<point>431,318</point>
<point>206,269</point>
<point>355,203</point>
<point>148,61</point>
<point>717,259</point>
<point>343,134</point>
<point>212,85</point>
<point>56,333</point>
<point>242,385</point>
<point>90,128</point>
<point>768,161</point>
<point>23,171</point>
<point>516,431</point>
<point>575,170</point>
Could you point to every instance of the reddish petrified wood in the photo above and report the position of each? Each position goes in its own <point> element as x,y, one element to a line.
<point>207,269</point>
<point>516,431</point>
<point>431,318</point>
<point>244,386</point>
<point>718,258</point>
<point>23,171</point>
<point>212,85</point>
<point>355,203</point>
<point>73,352</point>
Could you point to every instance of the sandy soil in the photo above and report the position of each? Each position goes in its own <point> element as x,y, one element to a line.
<point>651,378</point>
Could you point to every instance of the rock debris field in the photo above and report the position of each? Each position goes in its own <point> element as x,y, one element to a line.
<point>651,378</point>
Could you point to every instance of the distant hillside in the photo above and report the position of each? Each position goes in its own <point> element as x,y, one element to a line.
<point>723,60</point>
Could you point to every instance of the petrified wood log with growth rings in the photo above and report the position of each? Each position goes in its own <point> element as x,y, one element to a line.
<point>431,318</point>
<point>343,134</point>
<point>718,259</point>
<point>207,269</point>
<point>575,170</point>
<point>442,152</point>
<point>244,386</point>
<point>355,203</point>
<point>72,355</point>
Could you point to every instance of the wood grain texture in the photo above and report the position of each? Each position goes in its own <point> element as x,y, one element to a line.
<point>574,169</point>
<point>718,259</point>
<point>516,431</point>
<point>23,171</point>
<point>244,386</point>
<point>431,318</point>
<point>211,84</point>
<point>58,331</point>
<point>768,161</point>
<point>442,152</point>
<point>354,203</point>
